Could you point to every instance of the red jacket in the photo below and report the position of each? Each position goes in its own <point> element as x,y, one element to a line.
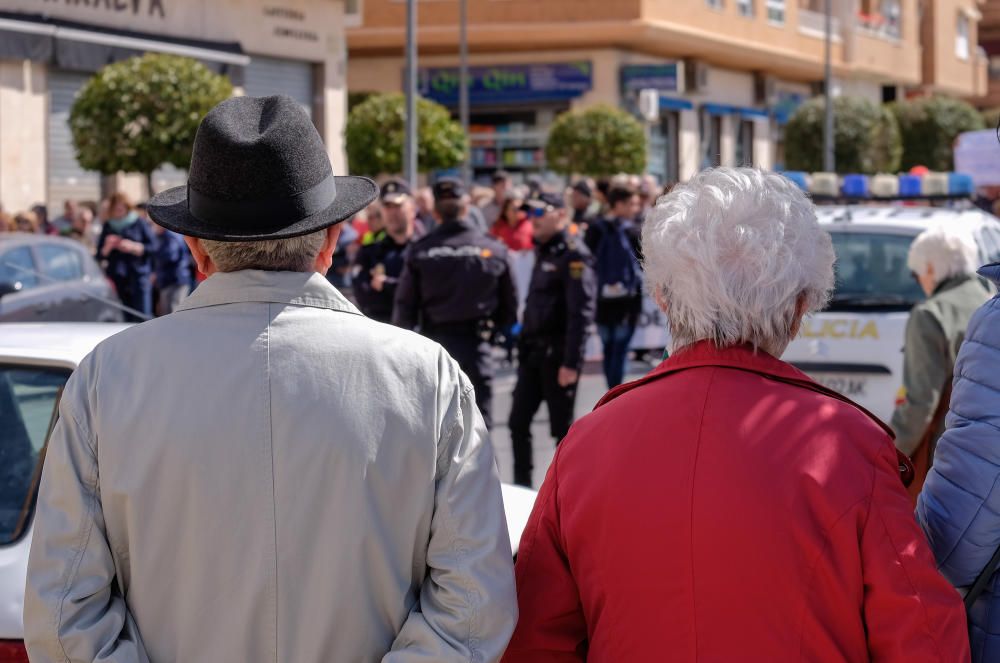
<point>727,508</point>
<point>517,237</point>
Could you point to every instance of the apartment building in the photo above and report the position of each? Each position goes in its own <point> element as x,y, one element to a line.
<point>729,72</point>
<point>989,42</point>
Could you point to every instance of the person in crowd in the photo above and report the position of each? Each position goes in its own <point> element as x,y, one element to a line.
<point>557,314</point>
<point>614,242</point>
<point>501,183</point>
<point>513,227</point>
<point>27,222</point>
<point>782,526</point>
<point>381,264</point>
<point>425,207</point>
<point>340,272</point>
<point>63,225</point>
<point>959,506</point>
<point>45,226</point>
<point>457,286</point>
<point>375,225</point>
<point>649,189</point>
<point>172,265</point>
<point>582,202</point>
<point>126,246</point>
<point>944,262</point>
<point>82,228</point>
<point>256,513</point>
<point>7,224</point>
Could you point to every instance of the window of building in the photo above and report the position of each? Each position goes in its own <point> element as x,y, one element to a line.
<point>744,144</point>
<point>352,12</point>
<point>711,140</point>
<point>745,8</point>
<point>776,11</point>
<point>716,4</point>
<point>995,67</point>
<point>892,18</point>
<point>962,37</point>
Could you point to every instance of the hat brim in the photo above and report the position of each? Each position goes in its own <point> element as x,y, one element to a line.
<point>169,209</point>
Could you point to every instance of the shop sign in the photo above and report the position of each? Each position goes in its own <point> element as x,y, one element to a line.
<point>508,83</point>
<point>297,32</point>
<point>662,77</point>
<point>134,7</point>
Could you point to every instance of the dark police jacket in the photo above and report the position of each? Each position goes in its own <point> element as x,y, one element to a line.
<point>562,299</point>
<point>455,276</point>
<point>386,255</point>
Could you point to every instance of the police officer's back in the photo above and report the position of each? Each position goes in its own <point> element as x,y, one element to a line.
<point>457,287</point>
<point>381,262</point>
<point>559,310</point>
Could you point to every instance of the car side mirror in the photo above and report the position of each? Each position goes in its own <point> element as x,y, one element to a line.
<point>7,288</point>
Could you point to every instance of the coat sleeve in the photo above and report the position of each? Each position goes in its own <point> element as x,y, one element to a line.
<point>73,606</point>
<point>467,607</point>
<point>911,612</point>
<point>406,307</point>
<point>581,305</point>
<point>552,627</point>
<point>959,506</point>
<point>925,370</point>
<point>506,314</point>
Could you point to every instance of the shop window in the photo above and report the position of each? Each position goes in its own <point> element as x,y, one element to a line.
<point>745,8</point>
<point>744,144</point>
<point>962,37</point>
<point>664,152</point>
<point>995,67</point>
<point>711,140</point>
<point>776,11</point>
<point>509,139</point>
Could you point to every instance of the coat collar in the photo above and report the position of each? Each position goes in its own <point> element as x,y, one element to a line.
<point>739,357</point>
<point>951,283</point>
<point>296,288</point>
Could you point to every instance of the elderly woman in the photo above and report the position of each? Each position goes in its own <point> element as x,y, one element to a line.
<point>943,262</point>
<point>726,507</point>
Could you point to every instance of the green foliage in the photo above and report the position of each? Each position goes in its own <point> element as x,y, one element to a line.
<point>599,142</point>
<point>376,132</point>
<point>141,113</point>
<point>357,98</point>
<point>929,126</point>
<point>991,117</point>
<point>866,137</point>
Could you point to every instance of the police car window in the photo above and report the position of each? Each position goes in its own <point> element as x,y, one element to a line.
<point>17,266</point>
<point>872,273</point>
<point>28,399</point>
<point>988,240</point>
<point>60,263</point>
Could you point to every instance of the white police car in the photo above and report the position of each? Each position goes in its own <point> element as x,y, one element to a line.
<point>35,362</point>
<point>855,346</point>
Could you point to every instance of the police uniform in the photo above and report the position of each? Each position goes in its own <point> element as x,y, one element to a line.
<point>382,256</point>
<point>457,287</point>
<point>560,307</point>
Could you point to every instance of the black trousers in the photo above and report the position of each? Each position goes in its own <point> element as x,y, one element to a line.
<point>475,358</point>
<point>538,381</point>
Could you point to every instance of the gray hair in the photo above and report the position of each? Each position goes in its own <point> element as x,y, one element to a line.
<point>950,251</point>
<point>297,254</point>
<point>731,252</point>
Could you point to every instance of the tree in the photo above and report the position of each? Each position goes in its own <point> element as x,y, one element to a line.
<point>929,127</point>
<point>376,132</point>
<point>866,137</point>
<point>141,113</point>
<point>599,142</point>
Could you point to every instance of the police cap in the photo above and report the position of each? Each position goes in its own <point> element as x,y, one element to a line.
<point>448,188</point>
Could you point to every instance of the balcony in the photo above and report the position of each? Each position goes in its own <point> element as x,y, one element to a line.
<point>813,24</point>
<point>879,26</point>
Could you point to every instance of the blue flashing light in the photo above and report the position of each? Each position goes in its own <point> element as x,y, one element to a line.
<point>800,179</point>
<point>910,185</point>
<point>855,186</point>
<point>960,184</point>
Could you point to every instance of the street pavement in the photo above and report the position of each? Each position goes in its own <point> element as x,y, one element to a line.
<point>592,388</point>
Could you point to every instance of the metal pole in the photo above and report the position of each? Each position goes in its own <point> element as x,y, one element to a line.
<point>463,84</point>
<point>410,146</point>
<point>828,159</point>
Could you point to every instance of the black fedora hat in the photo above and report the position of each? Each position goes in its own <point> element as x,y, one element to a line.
<point>259,171</point>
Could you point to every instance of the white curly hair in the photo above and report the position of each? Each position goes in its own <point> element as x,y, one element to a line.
<point>950,251</point>
<point>730,254</point>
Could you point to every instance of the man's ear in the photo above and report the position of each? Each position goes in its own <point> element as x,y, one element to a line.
<point>201,258</point>
<point>324,260</point>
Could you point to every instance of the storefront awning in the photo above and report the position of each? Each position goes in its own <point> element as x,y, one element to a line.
<point>744,112</point>
<point>83,47</point>
<point>670,103</point>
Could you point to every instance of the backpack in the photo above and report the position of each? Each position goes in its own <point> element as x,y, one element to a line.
<point>618,271</point>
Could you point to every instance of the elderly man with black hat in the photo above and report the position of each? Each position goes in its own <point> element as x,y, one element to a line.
<point>381,263</point>
<point>562,299</point>
<point>458,288</point>
<point>246,508</point>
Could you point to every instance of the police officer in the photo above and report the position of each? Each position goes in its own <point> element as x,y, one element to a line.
<point>562,299</point>
<point>381,263</point>
<point>457,286</point>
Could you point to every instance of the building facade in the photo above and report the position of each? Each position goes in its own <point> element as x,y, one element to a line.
<point>728,72</point>
<point>48,49</point>
<point>989,41</point>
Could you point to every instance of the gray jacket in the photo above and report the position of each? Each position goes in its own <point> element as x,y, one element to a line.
<point>266,475</point>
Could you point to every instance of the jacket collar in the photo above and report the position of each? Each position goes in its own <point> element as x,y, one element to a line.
<point>553,243</point>
<point>296,288</point>
<point>991,272</point>
<point>739,357</point>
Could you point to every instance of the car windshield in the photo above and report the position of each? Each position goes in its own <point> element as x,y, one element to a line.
<point>872,273</point>
<point>28,399</point>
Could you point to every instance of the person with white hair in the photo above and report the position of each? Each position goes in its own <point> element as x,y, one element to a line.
<point>726,507</point>
<point>943,261</point>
